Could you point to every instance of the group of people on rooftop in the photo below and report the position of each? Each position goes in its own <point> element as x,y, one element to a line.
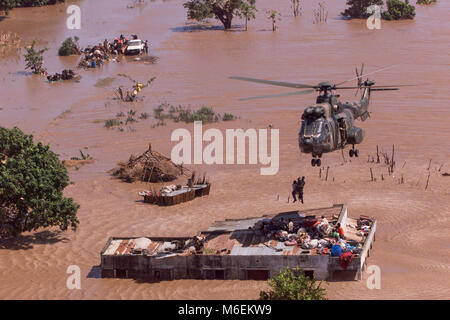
<point>95,56</point>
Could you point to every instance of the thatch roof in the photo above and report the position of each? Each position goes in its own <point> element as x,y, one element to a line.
<point>151,166</point>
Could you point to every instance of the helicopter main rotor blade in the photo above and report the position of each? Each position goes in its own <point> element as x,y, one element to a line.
<point>275,83</point>
<point>363,75</point>
<point>376,87</point>
<point>385,89</point>
<point>279,95</point>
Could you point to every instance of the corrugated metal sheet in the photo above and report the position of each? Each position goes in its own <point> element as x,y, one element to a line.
<point>244,224</point>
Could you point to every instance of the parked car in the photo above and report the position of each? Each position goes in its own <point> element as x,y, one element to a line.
<point>135,46</point>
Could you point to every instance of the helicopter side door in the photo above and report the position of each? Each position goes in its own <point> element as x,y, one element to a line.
<point>334,133</point>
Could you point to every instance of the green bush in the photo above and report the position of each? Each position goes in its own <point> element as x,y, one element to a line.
<point>6,5</point>
<point>293,285</point>
<point>358,8</point>
<point>144,115</point>
<point>34,59</point>
<point>185,114</point>
<point>228,117</point>
<point>426,1</point>
<point>69,47</point>
<point>32,180</point>
<point>398,10</point>
<point>112,123</point>
<point>224,11</point>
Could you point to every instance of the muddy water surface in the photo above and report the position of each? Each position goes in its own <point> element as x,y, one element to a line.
<point>193,68</point>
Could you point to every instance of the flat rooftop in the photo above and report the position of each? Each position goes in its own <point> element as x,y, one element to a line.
<point>233,237</point>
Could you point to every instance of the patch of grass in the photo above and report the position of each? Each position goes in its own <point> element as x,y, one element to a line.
<point>130,116</point>
<point>425,1</point>
<point>144,116</point>
<point>9,42</point>
<point>130,119</point>
<point>82,156</point>
<point>119,120</point>
<point>186,114</point>
<point>228,117</point>
<point>112,123</point>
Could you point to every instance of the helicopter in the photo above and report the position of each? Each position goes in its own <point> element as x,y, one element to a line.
<point>329,125</point>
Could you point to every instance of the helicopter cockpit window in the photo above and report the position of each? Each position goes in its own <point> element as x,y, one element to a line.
<point>313,128</point>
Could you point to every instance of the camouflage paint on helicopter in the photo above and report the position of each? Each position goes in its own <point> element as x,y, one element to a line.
<point>328,125</point>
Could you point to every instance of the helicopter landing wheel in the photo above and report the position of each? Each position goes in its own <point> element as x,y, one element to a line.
<point>316,162</point>
<point>356,152</point>
<point>351,153</point>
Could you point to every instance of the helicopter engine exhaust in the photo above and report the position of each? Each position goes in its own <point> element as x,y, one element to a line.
<point>355,135</point>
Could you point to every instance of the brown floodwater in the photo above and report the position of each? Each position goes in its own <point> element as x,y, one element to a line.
<point>193,69</point>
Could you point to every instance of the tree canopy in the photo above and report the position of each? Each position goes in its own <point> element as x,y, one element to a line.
<point>32,180</point>
<point>358,8</point>
<point>69,47</point>
<point>396,9</point>
<point>399,10</point>
<point>223,10</point>
<point>6,5</point>
<point>293,285</point>
<point>34,59</point>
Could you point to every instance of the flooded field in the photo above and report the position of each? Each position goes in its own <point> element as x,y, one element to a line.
<point>194,67</point>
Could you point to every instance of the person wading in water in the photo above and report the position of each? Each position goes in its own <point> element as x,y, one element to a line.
<point>300,186</point>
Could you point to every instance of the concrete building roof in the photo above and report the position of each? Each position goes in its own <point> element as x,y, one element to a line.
<point>230,237</point>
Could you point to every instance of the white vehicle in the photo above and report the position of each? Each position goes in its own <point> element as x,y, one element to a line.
<point>134,46</point>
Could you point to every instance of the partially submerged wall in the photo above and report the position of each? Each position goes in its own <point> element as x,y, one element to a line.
<point>228,266</point>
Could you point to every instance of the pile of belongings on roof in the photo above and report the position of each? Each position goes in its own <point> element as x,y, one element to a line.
<point>364,225</point>
<point>176,194</point>
<point>65,75</point>
<point>193,245</point>
<point>151,166</point>
<point>309,233</point>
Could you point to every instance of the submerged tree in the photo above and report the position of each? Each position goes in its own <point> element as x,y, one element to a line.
<point>248,12</point>
<point>398,10</point>
<point>32,180</point>
<point>358,8</point>
<point>223,10</point>
<point>34,59</point>
<point>272,15</point>
<point>295,6</point>
<point>321,14</point>
<point>69,46</point>
<point>293,285</point>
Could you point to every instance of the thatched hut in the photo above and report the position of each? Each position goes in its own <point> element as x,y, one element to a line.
<point>151,166</point>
